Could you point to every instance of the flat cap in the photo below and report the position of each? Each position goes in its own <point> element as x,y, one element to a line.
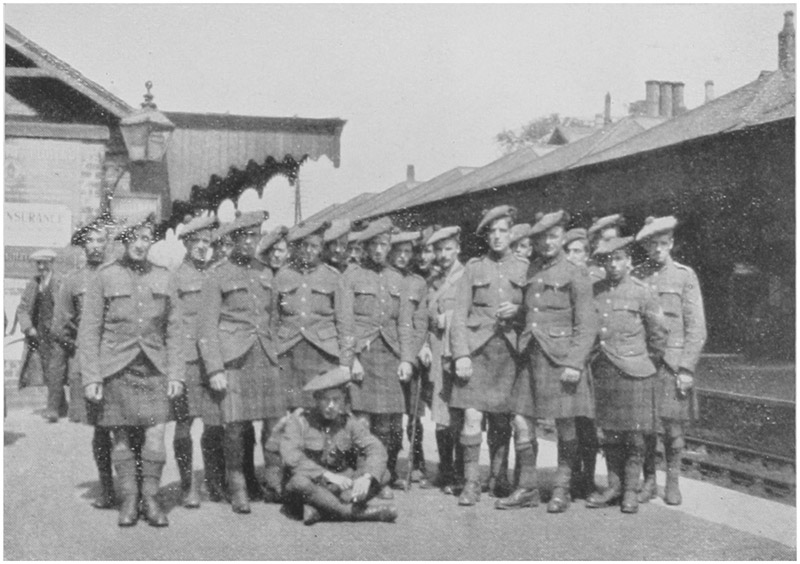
<point>575,234</point>
<point>333,378</point>
<point>452,232</point>
<point>520,231</point>
<point>656,226</point>
<point>305,229</point>
<point>43,254</point>
<point>608,246</point>
<point>549,220</point>
<point>243,221</point>
<point>269,239</point>
<point>338,228</point>
<point>405,237</point>
<point>198,224</point>
<point>496,213</point>
<point>613,220</point>
<point>377,227</point>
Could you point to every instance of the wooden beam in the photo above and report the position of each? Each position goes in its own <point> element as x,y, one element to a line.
<point>43,130</point>
<point>22,72</point>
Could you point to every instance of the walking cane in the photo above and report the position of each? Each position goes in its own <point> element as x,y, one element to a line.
<point>413,434</point>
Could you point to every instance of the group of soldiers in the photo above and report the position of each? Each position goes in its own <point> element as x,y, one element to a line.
<point>329,336</point>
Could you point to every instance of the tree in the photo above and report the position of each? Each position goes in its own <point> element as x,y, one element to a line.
<point>511,140</point>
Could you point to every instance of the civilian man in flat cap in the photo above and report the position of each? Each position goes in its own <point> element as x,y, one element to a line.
<point>35,315</point>
<point>198,400</point>
<point>678,292</point>
<point>93,238</point>
<point>484,338</point>
<point>402,259</point>
<point>240,354</point>
<point>320,447</point>
<point>441,302</point>
<point>632,331</point>
<point>130,352</point>
<point>558,335</point>
<point>334,251</point>
<point>374,318</point>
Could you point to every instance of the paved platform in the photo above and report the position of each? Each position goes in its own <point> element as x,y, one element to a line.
<point>50,482</point>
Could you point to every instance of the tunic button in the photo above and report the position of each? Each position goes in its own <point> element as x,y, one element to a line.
<point>536,310</point>
<point>605,315</point>
<point>537,295</point>
<point>302,299</point>
<point>603,329</point>
<point>602,342</point>
<point>303,313</point>
<point>608,301</point>
<point>533,325</point>
<point>304,285</point>
<point>540,281</point>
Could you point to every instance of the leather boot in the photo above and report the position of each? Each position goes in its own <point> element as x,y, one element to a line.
<point>380,513</point>
<point>322,504</point>
<point>183,457</point>
<point>499,439</point>
<point>527,492</point>
<point>129,487</point>
<point>672,493</point>
<point>611,495</point>
<point>151,480</point>
<point>419,473</point>
<point>444,444</point>
<point>214,461</point>
<point>649,487</point>
<point>273,474</point>
<point>237,486</point>
<point>567,454</point>
<point>254,491</point>
<point>101,449</point>
<point>458,464</point>
<point>471,493</point>
<point>632,485</point>
<point>584,468</point>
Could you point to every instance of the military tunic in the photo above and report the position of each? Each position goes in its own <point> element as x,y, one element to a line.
<point>129,340</point>
<point>559,333</point>
<point>477,333</point>
<point>631,329</point>
<point>374,317</point>
<point>305,327</point>
<point>442,299</point>
<point>199,400</point>
<point>66,320</point>
<point>678,292</point>
<point>236,336</point>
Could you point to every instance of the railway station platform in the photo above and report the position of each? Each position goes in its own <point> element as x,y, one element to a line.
<point>50,481</point>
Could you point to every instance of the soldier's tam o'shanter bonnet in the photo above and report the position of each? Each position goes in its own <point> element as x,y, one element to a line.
<point>613,220</point>
<point>405,237</point>
<point>575,234</point>
<point>608,246</point>
<point>494,214</point>
<point>269,239</point>
<point>548,221</point>
<point>380,226</point>
<point>306,229</point>
<point>655,226</point>
<point>452,232</point>
<point>519,231</point>
<point>338,228</point>
<point>334,378</point>
<point>199,223</point>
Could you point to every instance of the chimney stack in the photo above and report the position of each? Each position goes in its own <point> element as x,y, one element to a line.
<point>410,173</point>
<point>786,46</point>
<point>607,113</point>
<point>709,90</point>
<point>652,101</point>
<point>665,100</point>
<point>678,106</point>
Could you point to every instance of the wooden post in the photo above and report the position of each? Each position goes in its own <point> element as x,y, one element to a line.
<point>298,212</point>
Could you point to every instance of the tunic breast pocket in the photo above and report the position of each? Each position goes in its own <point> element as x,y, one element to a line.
<point>236,296</point>
<point>287,300</point>
<point>322,300</point>
<point>627,318</point>
<point>481,293</point>
<point>556,296</point>
<point>365,300</point>
<point>394,296</point>
<point>119,302</point>
<point>559,339</point>
<point>159,293</point>
<point>670,300</point>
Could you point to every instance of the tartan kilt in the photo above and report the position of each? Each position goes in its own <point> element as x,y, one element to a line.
<point>81,410</point>
<point>494,371</point>
<point>624,403</point>
<point>255,390</point>
<point>418,380</point>
<point>298,366</point>
<point>380,390</point>
<point>669,404</point>
<point>135,396</point>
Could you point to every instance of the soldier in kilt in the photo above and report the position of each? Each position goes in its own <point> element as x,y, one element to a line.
<point>334,252</point>
<point>401,258</point>
<point>678,292</point>
<point>484,339</point>
<point>199,400</point>
<point>558,335</point>
<point>93,238</point>
<point>131,362</point>
<point>374,317</point>
<point>631,331</point>
<point>240,356</point>
<point>306,293</point>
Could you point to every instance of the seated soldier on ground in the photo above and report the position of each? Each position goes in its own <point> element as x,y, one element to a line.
<point>320,448</point>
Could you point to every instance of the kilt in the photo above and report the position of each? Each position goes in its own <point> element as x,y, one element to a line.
<point>624,403</point>
<point>198,400</point>
<point>419,380</point>
<point>81,410</point>
<point>539,392</point>
<point>380,390</point>
<point>494,370</point>
<point>255,390</point>
<point>669,404</point>
<point>298,366</point>
<point>135,396</point>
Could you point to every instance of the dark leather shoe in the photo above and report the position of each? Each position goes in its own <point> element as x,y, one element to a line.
<point>380,513</point>
<point>630,502</point>
<point>153,513</point>
<point>519,499</point>
<point>311,515</point>
<point>386,493</point>
<point>610,496</point>
<point>105,500</point>
<point>559,501</point>
<point>449,489</point>
<point>128,512</point>
<point>649,490</point>
<point>672,493</point>
<point>425,483</point>
<point>191,497</point>
<point>470,495</point>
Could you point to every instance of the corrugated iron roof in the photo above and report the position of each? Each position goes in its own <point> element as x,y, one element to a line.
<point>769,98</point>
<point>341,211</point>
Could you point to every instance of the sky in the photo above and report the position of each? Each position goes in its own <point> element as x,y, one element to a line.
<point>428,85</point>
